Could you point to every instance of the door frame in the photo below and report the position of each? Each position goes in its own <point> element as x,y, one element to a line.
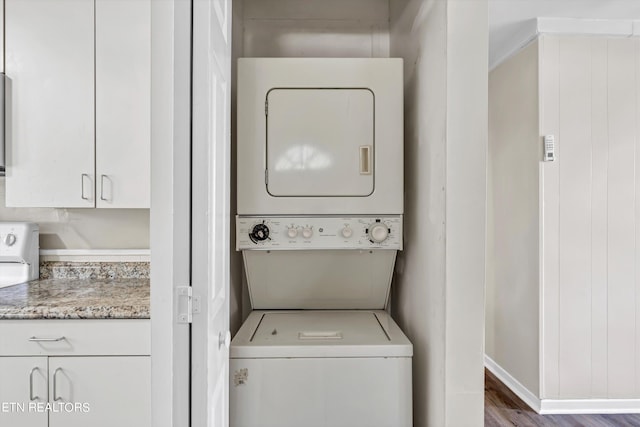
<point>170,239</point>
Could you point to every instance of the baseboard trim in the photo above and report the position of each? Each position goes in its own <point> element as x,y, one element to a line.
<point>590,406</point>
<point>561,406</point>
<point>513,384</point>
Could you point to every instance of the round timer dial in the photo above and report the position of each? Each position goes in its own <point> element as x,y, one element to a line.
<point>259,233</point>
<point>378,232</point>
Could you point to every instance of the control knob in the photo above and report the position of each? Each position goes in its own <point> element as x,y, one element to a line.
<point>259,233</point>
<point>347,232</point>
<point>10,239</point>
<point>378,232</point>
<point>307,232</point>
<point>292,232</point>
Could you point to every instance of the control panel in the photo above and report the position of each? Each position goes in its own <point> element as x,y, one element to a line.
<point>549,148</point>
<point>18,252</point>
<point>326,232</point>
<point>18,240</point>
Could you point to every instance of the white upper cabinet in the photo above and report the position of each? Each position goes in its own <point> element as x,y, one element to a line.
<point>123,85</point>
<point>50,103</point>
<point>78,103</point>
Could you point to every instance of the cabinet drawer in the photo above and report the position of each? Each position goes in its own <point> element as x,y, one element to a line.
<point>75,337</point>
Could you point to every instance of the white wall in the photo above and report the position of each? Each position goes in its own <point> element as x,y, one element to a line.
<point>312,28</point>
<point>83,228</point>
<point>467,110</point>
<point>513,286</point>
<point>439,287</point>
<point>418,34</point>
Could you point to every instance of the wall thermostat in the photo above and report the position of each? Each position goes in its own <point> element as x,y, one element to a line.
<point>549,148</point>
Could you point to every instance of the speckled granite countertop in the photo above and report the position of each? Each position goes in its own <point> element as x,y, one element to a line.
<point>65,298</point>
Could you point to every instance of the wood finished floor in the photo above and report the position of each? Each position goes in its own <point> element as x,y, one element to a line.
<point>503,408</point>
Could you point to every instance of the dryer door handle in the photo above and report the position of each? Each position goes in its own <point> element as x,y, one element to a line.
<point>365,160</point>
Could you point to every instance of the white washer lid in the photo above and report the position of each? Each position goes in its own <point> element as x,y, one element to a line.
<point>307,333</point>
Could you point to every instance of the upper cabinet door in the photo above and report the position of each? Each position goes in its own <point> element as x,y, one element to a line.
<point>320,142</point>
<point>49,54</point>
<point>123,82</point>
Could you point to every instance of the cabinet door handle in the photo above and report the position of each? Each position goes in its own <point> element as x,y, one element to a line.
<point>82,185</point>
<point>55,385</point>
<point>102,177</point>
<point>31,396</point>
<point>36,339</point>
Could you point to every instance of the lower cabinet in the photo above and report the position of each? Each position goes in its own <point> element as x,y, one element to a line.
<point>100,391</point>
<point>23,381</point>
<point>71,389</point>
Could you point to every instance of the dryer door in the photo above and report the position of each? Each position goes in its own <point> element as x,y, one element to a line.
<point>320,142</point>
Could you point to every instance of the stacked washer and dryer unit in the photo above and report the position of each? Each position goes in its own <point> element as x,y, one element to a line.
<point>320,204</point>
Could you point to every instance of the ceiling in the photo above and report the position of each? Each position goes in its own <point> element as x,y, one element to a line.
<point>508,17</point>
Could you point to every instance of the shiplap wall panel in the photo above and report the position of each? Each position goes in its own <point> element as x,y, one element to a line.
<point>549,125</point>
<point>590,99</point>
<point>575,218</point>
<point>622,220</point>
<point>598,232</point>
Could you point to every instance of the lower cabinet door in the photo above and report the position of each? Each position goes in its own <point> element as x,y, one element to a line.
<point>100,391</point>
<point>23,391</point>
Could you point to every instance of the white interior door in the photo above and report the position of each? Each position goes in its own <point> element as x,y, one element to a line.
<point>320,142</point>
<point>211,211</point>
